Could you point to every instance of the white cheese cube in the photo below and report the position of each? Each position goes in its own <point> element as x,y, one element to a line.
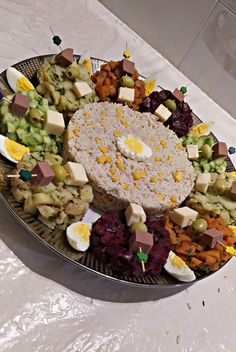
<point>77,174</point>
<point>126,95</point>
<point>184,216</point>
<point>81,89</point>
<point>134,213</point>
<point>203,181</point>
<point>192,150</point>
<point>162,112</point>
<point>54,123</point>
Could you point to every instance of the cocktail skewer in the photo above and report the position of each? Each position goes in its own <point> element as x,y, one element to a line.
<point>56,39</point>
<point>229,249</point>
<point>19,176</point>
<point>3,98</point>
<point>126,53</point>
<point>142,262</point>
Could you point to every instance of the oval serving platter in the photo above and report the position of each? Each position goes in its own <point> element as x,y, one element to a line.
<point>56,239</point>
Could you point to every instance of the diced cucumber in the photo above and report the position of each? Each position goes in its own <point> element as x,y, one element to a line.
<point>4,109</point>
<point>8,117</point>
<point>38,148</point>
<point>17,123</point>
<point>212,164</point>
<point>22,122</point>
<point>11,127</point>
<point>219,161</point>
<point>203,162</point>
<point>43,108</point>
<point>31,141</point>
<point>43,133</point>
<point>206,168</point>
<point>21,133</point>
<point>44,102</point>
<point>195,163</point>
<point>47,140</point>
<point>38,138</point>
<point>200,143</point>
<point>221,169</point>
<point>31,94</point>
<point>37,96</point>
<point>12,136</point>
<point>198,170</point>
<point>209,140</point>
<point>33,103</point>
<point>33,130</point>
<point>38,156</point>
<point>24,131</point>
<point>54,149</point>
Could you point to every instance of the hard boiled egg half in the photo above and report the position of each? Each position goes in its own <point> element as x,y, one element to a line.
<point>203,128</point>
<point>12,150</point>
<point>17,81</point>
<point>151,84</point>
<point>85,60</point>
<point>78,235</point>
<point>133,148</point>
<point>177,268</point>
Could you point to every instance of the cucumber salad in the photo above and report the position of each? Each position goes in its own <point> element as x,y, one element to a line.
<point>29,129</point>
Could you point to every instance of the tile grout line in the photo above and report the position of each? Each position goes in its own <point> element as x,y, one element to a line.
<point>196,35</point>
<point>227,8</point>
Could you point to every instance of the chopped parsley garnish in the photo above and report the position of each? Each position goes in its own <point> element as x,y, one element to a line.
<point>54,216</point>
<point>62,91</point>
<point>206,269</point>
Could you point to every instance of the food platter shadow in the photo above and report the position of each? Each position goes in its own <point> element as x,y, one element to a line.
<point>43,261</point>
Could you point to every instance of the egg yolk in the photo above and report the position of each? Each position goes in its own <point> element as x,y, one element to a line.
<point>230,250</point>
<point>87,64</point>
<point>201,128</point>
<point>233,229</point>
<point>84,231</point>
<point>23,84</point>
<point>133,144</point>
<point>149,87</point>
<point>15,150</point>
<point>177,262</point>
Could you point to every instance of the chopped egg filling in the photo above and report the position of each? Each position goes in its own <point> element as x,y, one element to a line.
<point>83,230</point>
<point>201,129</point>
<point>133,144</point>
<point>133,148</point>
<point>78,235</point>
<point>23,84</point>
<point>12,150</point>
<point>16,150</point>
<point>149,87</point>
<point>87,63</point>
<point>176,267</point>
<point>151,83</point>
<point>177,262</point>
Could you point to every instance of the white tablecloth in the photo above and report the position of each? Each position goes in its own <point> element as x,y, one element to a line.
<point>47,304</point>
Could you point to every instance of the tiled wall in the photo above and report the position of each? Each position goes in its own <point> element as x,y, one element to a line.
<point>197,36</point>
